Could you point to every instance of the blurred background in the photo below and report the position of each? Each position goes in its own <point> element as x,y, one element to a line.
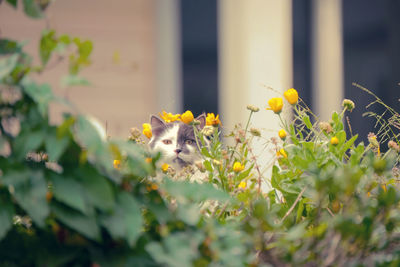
<point>219,56</point>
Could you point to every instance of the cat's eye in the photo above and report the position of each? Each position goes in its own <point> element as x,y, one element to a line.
<point>189,142</point>
<point>167,141</point>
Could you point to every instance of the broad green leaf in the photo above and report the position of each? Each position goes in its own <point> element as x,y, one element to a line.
<point>12,2</point>
<point>88,134</point>
<point>96,187</point>
<point>7,65</point>
<point>30,190</point>
<point>189,213</point>
<point>9,46</point>
<point>194,191</point>
<point>32,9</point>
<point>26,142</point>
<point>55,146</point>
<point>74,80</point>
<point>48,43</point>
<point>41,94</point>
<point>68,191</point>
<point>6,217</point>
<point>86,225</point>
<point>126,220</point>
<point>178,249</point>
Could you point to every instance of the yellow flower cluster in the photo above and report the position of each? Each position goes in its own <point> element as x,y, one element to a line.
<point>212,120</point>
<point>186,117</point>
<point>276,103</point>
<point>117,164</point>
<point>147,130</point>
<point>169,117</point>
<point>238,167</point>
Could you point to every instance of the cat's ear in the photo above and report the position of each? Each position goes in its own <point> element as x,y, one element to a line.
<point>202,120</point>
<point>156,122</point>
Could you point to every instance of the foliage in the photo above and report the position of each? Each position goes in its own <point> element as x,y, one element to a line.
<point>64,203</point>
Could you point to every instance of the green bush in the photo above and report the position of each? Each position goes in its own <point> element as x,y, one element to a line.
<point>64,203</point>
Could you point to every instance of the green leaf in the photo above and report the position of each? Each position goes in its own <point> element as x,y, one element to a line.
<point>307,121</point>
<point>55,146</point>
<point>68,191</point>
<point>30,190</point>
<point>41,94</point>
<point>88,134</point>
<point>7,65</point>
<point>205,152</point>
<point>48,43</point>
<point>86,225</point>
<point>6,217</point>
<point>27,141</point>
<point>126,220</point>
<point>12,2</point>
<point>32,9</point>
<point>189,213</point>
<point>194,191</point>
<point>97,188</point>
<point>9,47</point>
<point>178,249</point>
<point>74,80</point>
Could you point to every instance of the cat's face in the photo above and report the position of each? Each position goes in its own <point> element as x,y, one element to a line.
<point>176,141</point>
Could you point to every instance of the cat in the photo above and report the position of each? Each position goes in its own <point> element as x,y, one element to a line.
<point>176,141</point>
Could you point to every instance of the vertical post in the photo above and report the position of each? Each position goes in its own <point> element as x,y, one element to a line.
<point>255,52</point>
<point>168,56</point>
<point>327,57</point>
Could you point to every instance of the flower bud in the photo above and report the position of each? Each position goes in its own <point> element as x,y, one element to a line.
<point>255,132</point>
<point>282,134</point>
<point>291,96</point>
<point>334,141</point>
<point>187,117</point>
<point>275,104</point>
<point>238,167</point>
<point>393,145</point>
<point>325,126</point>
<point>253,108</point>
<point>348,104</point>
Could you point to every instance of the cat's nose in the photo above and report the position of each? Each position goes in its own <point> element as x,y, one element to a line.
<point>178,150</point>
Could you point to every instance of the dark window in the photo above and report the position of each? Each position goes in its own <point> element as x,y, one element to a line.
<point>199,55</point>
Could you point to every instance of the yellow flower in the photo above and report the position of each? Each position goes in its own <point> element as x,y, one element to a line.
<point>147,130</point>
<point>165,167</point>
<point>275,104</point>
<point>282,153</point>
<point>242,185</point>
<point>149,160</point>
<point>117,164</point>
<point>212,120</point>
<point>334,141</point>
<point>187,117</point>
<point>291,96</point>
<point>282,134</point>
<point>169,117</point>
<point>237,167</point>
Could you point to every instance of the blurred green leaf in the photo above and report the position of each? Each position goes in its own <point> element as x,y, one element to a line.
<point>96,187</point>
<point>27,141</point>
<point>7,65</point>
<point>86,225</point>
<point>12,2</point>
<point>178,249</point>
<point>74,80</point>
<point>55,146</point>
<point>6,217</point>
<point>68,191</point>
<point>9,46</point>
<point>41,94</point>
<point>30,192</point>
<point>48,43</point>
<point>32,9</point>
<point>194,191</point>
<point>126,220</point>
<point>307,122</point>
<point>88,134</point>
